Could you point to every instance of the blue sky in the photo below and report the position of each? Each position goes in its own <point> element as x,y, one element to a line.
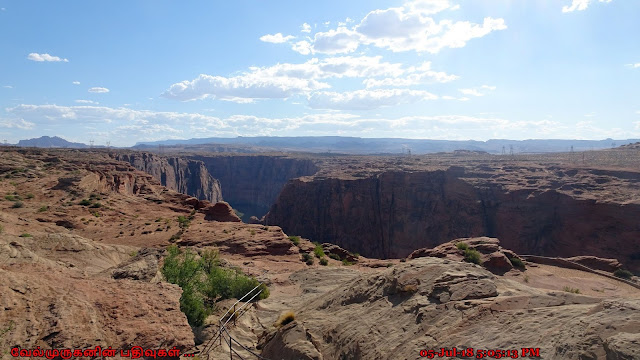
<point>129,71</point>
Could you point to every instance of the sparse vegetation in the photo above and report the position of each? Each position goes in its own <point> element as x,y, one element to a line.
<point>85,202</point>
<point>1,229</point>
<point>30,196</point>
<point>204,282</point>
<point>253,232</point>
<point>335,257</point>
<point>324,261</point>
<point>96,205</point>
<point>516,262</point>
<point>624,274</point>
<point>43,208</point>
<point>25,235</point>
<point>307,258</point>
<point>318,250</point>
<point>285,318</point>
<point>295,240</point>
<point>17,205</point>
<point>347,262</point>
<point>526,279</point>
<point>183,222</point>
<point>472,256</point>
<point>571,290</point>
<point>462,246</point>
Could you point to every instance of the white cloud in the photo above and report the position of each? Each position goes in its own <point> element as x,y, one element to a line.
<point>366,99</point>
<point>305,28</point>
<point>16,123</point>
<point>285,80</point>
<point>276,38</point>
<point>87,102</point>
<point>253,85</point>
<point>98,90</point>
<point>634,66</point>
<point>406,28</point>
<point>477,91</point>
<point>45,57</point>
<point>7,86</point>
<point>76,83</point>
<point>580,5</point>
<point>416,75</point>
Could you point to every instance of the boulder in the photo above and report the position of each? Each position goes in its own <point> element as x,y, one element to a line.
<point>221,212</point>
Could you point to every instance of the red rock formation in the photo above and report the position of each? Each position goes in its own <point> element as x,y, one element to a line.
<point>221,212</point>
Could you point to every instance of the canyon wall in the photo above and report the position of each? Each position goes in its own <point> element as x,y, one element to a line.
<point>180,174</point>
<point>393,213</point>
<point>251,184</point>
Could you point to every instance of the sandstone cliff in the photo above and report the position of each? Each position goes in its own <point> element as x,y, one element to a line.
<point>177,173</point>
<point>390,214</point>
<point>252,184</point>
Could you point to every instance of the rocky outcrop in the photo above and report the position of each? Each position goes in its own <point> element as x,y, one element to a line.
<point>221,212</point>
<point>597,263</point>
<point>251,184</point>
<point>493,257</point>
<point>391,214</point>
<point>180,174</point>
<point>431,303</point>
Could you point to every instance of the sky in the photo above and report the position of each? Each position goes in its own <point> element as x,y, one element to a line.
<point>129,71</point>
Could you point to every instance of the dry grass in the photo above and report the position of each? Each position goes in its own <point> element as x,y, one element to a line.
<point>285,318</point>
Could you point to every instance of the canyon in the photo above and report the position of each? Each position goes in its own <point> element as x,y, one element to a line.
<point>388,206</point>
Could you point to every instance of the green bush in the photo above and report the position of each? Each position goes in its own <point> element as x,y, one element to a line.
<point>30,196</point>
<point>346,262</point>
<point>96,205</point>
<point>472,256</point>
<point>517,262</point>
<point>324,261</point>
<point>318,251</point>
<point>624,274</point>
<point>571,290</point>
<point>295,240</point>
<point>462,246</point>
<point>17,204</point>
<point>204,282</point>
<point>306,257</point>
<point>335,257</point>
<point>85,202</point>
<point>183,222</point>
<point>43,208</point>
<point>12,197</point>
<point>24,235</point>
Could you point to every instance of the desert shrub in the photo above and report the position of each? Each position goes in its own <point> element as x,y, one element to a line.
<point>346,262</point>
<point>571,290</point>
<point>30,196</point>
<point>43,208</point>
<point>285,318</point>
<point>1,229</point>
<point>517,262</point>
<point>183,222</point>
<point>472,256</point>
<point>24,235</point>
<point>318,251</point>
<point>252,232</point>
<point>324,261</point>
<point>17,205</point>
<point>204,282</point>
<point>462,246</point>
<point>96,205</point>
<point>85,202</point>
<point>295,240</point>
<point>12,197</point>
<point>306,257</point>
<point>624,274</point>
<point>175,237</point>
<point>335,257</point>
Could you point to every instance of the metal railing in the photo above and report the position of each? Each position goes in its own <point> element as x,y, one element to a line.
<point>235,311</point>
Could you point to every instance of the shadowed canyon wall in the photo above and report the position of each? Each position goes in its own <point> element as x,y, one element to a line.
<point>391,214</point>
<point>251,184</point>
<point>177,173</point>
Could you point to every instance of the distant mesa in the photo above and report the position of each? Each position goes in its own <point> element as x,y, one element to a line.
<point>51,142</point>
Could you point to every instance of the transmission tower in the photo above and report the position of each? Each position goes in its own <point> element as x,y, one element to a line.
<point>504,151</point>
<point>571,148</point>
<point>91,144</point>
<point>108,144</point>
<point>511,150</point>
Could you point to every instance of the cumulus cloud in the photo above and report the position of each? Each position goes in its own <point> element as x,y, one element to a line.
<point>399,29</point>
<point>416,75</point>
<point>98,90</point>
<point>87,102</point>
<point>45,57</point>
<point>480,91</point>
<point>305,28</point>
<point>253,85</point>
<point>285,80</point>
<point>276,38</point>
<point>76,83</point>
<point>366,99</point>
<point>16,123</point>
<point>580,5</point>
<point>634,66</point>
